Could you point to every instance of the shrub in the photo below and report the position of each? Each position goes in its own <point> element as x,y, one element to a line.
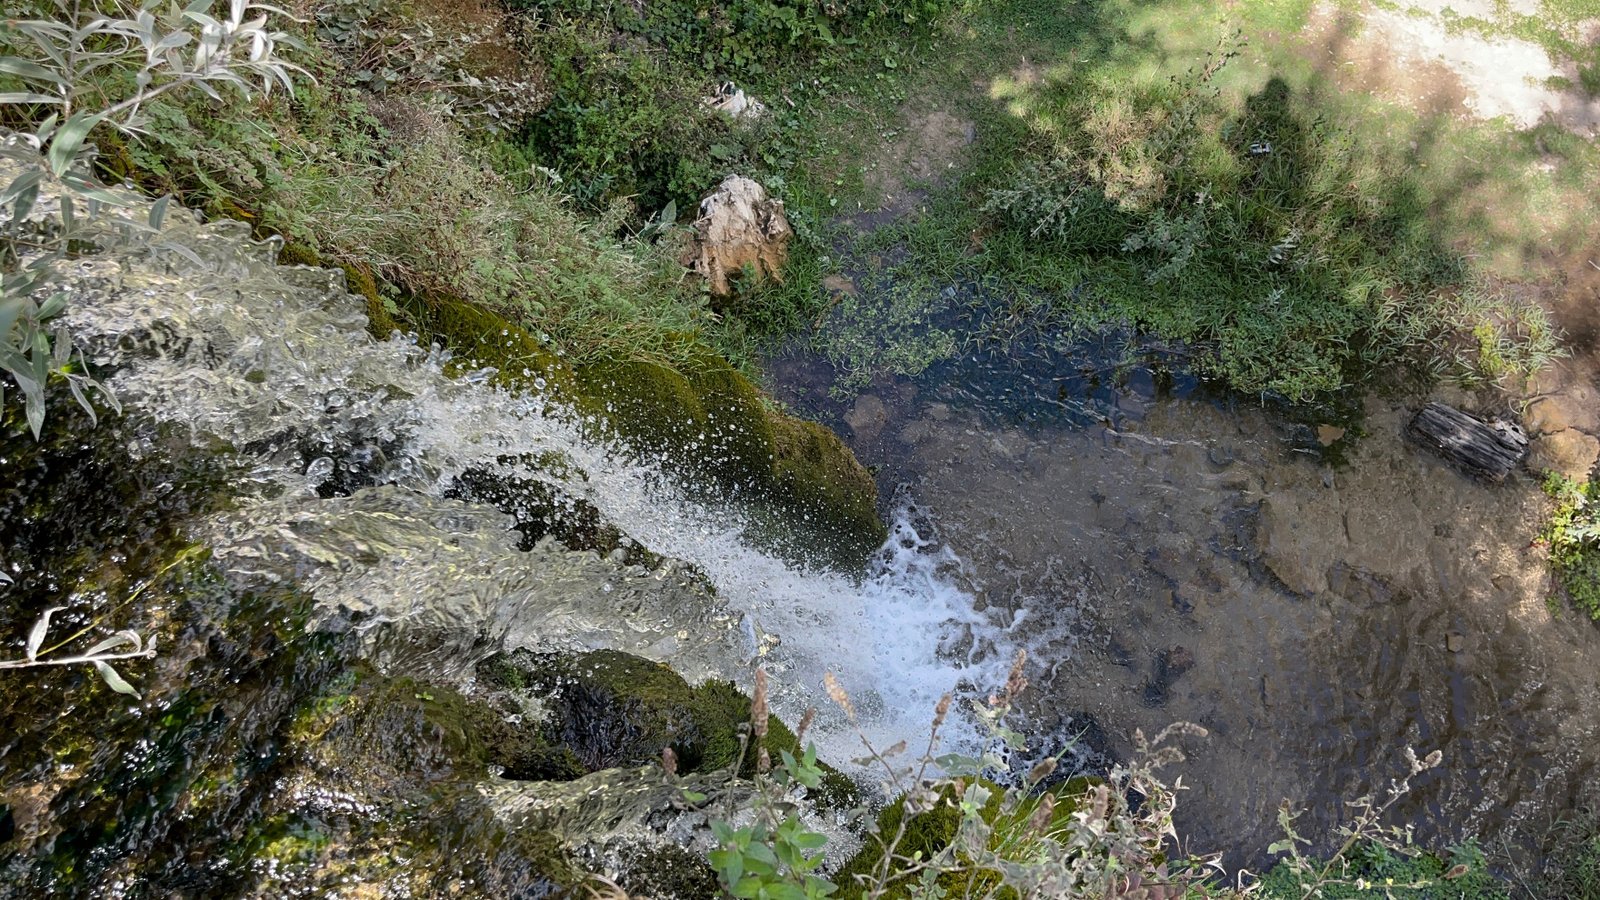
<point>1573,535</point>
<point>1298,255</point>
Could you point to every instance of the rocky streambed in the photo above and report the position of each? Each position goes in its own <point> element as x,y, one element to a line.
<point>1319,594</point>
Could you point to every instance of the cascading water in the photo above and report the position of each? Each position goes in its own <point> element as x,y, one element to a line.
<point>273,365</point>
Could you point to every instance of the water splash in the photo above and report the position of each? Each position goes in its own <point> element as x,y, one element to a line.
<point>273,366</point>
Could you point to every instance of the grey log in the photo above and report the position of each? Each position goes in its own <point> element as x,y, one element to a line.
<point>1484,450</point>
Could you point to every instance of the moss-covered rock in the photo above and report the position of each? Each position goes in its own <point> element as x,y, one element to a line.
<point>667,872</point>
<point>702,416</point>
<point>611,709</point>
<point>818,502</point>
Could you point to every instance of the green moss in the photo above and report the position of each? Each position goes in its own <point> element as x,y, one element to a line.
<point>609,708</point>
<point>479,337</point>
<point>818,502</point>
<point>810,496</point>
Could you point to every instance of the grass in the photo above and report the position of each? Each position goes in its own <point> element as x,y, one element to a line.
<point>1371,240</point>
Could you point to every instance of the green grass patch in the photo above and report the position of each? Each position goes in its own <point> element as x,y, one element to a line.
<point>1377,872</point>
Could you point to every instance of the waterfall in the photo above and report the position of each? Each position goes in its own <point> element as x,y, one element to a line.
<point>273,366</point>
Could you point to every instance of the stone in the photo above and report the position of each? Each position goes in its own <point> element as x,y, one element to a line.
<point>839,285</point>
<point>867,417</point>
<point>1328,435</point>
<point>1455,642</point>
<point>1295,546</point>
<point>733,102</point>
<point>1549,415</point>
<point>740,231</point>
<point>1570,453</point>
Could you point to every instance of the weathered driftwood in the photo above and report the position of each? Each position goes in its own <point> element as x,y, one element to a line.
<point>1483,450</point>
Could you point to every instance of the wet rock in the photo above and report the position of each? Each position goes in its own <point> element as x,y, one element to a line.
<point>740,230</point>
<point>667,872</point>
<point>867,418</point>
<point>1170,665</point>
<point>1295,547</point>
<point>1549,415</point>
<point>610,709</point>
<point>1571,453</point>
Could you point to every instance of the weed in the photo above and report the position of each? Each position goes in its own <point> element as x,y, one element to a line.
<point>1573,536</point>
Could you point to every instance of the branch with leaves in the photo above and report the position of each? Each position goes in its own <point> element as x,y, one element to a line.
<point>166,47</point>
<point>125,644</point>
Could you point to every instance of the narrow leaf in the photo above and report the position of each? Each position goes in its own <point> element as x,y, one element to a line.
<point>119,639</point>
<point>69,139</point>
<point>28,71</point>
<point>25,97</point>
<point>113,680</point>
<point>36,636</point>
<point>158,211</point>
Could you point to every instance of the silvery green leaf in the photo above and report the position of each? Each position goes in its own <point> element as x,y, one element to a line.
<point>211,25</point>
<point>181,250</point>
<point>158,211</point>
<point>25,200</point>
<point>111,400</point>
<point>173,41</point>
<point>25,97</point>
<point>52,305</point>
<point>34,406</point>
<point>48,36</point>
<point>91,28</point>
<point>11,308</point>
<point>36,636</point>
<point>121,638</point>
<point>69,139</point>
<point>61,349</point>
<point>27,180</point>
<point>5,579</point>
<point>77,394</point>
<point>113,680</point>
<point>68,218</point>
<point>44,130</point>
<point>88,189</point>
<point>34,72</point>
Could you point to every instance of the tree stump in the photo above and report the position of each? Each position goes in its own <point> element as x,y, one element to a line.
<point>1482,450</point>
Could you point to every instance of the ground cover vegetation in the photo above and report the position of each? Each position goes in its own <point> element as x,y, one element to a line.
<point>530,160</point>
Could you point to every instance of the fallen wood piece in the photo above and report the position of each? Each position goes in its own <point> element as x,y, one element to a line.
<point>1483,450</point>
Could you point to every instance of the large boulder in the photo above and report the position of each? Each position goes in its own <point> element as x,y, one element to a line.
<point>740,230</point>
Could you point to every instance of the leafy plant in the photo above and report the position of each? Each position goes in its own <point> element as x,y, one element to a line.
<point>775,857</point>
<point>62,65</point>
<point>987,840</point>
<point>1573,535</point>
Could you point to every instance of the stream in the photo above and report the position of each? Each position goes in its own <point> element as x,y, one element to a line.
<point>1171,552</point>
<point>1161,551</point>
